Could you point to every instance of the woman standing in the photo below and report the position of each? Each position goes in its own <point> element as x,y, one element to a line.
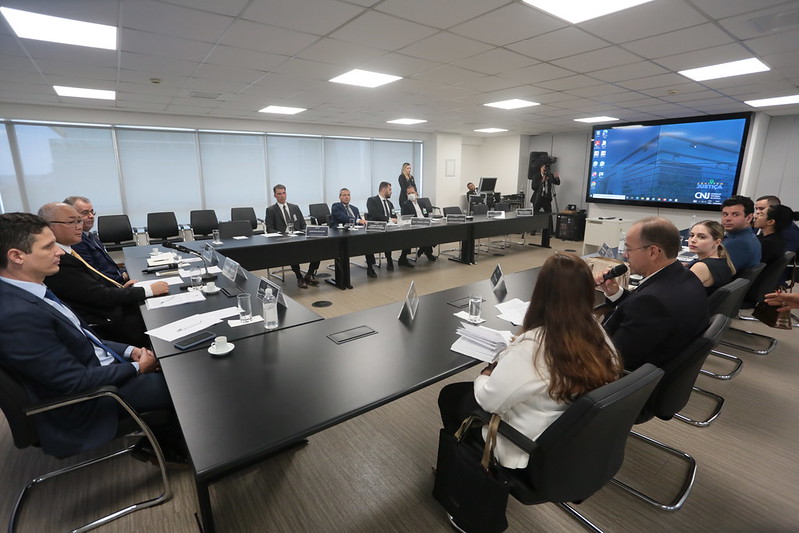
<point>713,267</point>
<point>405,179</point>
<point>560,353</point>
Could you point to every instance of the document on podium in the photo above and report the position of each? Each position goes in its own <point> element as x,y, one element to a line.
<point>480,342</point>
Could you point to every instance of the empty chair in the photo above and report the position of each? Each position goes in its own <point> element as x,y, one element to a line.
<point>163,226</point>
<point>18,409</point>
<point>320,214</point>
<point>452,210</point>
<point>502,206</point>
<point>235,228</point>
<point>203,223</point>
<point>726,300</point>
<point>115,231</point>
<point>479,209</point>
<point>248,214</point>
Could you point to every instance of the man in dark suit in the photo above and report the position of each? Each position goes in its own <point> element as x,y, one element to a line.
<point>542,183</point>
<point>278,217</point>
<point>344,213</point>
<point>90,247</point>
<point>417,207</point>
<point>111,307</point>
<point>54,352</point>
<point>667,311</point>
<point>381,209</point>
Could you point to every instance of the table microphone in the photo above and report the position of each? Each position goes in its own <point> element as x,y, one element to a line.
<point>180,248</point>
<point>614,272</point>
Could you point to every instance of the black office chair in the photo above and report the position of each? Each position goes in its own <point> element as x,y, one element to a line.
<point>115,232</point>
<point>726,300</point>
<point>163,226</point>
<point>320,214</point>
<point>479,209</point>
<point>584,448</point>
<point>235,228</point>
<point>502,206</point>
<point>452,210</point>
<point>766,282</point>
<point>18,409</point>
<point>203,223</point>
<point>246,213</point>
<point>670,396</point>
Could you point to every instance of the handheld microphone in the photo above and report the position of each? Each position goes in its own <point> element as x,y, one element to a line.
<point>180,248</point>
<point>614,272</point>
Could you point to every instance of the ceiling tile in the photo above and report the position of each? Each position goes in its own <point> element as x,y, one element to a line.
<point>603,58</point>
<point>445,47</point>
<point>495,61</point>
<point>168,19</point>
<point>246,34</point>
<point>677,42</point>
<point>515,22</point>
<point>328,15</point>
<point>646,20</point>
<point>382,31</point>
<point>439,13</point>
<point>559,43</point>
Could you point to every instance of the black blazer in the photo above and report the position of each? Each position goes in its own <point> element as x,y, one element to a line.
<point>275,222</point>
<point>408,209</point>
<point>338,214</point>
<point>656,321</point>
<point>374,209</point>
<point>52,357</point>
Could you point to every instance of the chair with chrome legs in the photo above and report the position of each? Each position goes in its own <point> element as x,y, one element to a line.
<point>727,300</point>
<point>670,396</point>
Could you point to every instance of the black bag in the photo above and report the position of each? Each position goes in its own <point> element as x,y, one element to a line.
<point>473,491</point>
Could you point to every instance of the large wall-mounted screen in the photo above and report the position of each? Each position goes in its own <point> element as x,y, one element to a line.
<point>689,163</point>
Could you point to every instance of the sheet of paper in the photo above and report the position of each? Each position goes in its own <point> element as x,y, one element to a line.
<point>270,235</point>
<point>236,322</point>
<point>240,237</point>
<point>219,314</point>
<point>161,259</point>
<point>172,280</point>
<point>174,299</point>
<point>184,326</point>
<point>184,272</point>
<point>191,259</point>
<point>466,347</point>
<point>464,315</point>
<point>513,310</point>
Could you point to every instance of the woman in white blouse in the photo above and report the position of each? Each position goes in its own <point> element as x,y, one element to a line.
<point>560,353</point>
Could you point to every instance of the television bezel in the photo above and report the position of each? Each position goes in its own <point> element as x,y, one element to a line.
<point>747,115</point>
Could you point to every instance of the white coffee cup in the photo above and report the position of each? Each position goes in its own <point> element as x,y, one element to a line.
<point>210,287</point>
<point>220,344</point>
<point>155,251</point>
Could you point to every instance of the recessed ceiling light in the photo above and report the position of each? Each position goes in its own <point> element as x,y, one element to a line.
<point>576,11</point>
<point>779,100</point>
<point>406,121</point>
<point>282,110</point>
<point>29,25</point>
<point>365,78</point>
<point>78,92</point>
<point>593,120</point>
<point>725,70</point>
<point>512,104</point>
<point>490,130</point>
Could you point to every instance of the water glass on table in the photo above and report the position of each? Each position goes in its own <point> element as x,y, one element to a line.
<point>245,307</point>
<point>196,275</point>
<point>475,307</point>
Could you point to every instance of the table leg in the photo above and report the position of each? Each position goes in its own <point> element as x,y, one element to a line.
<point>204,500</point>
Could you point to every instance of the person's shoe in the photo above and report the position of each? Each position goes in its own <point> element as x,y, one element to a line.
<point>371,272</point>
<point>389,264</point>
<point>144,452</point>
<point>403,261</point>
<point>431,257</point>
<point>301,283</point>
<point>418,252</point>
<point>310,279</point>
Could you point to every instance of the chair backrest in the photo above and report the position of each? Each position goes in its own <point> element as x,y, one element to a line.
<point>244,213</point>
<point>114,229</point>
<point>453,210</point>
<point>425,203</point>
<point>203,221</point>
<point>13,400</point>
<point>674,390</point>
<point>321,212</point>
<point>162,225</point>
<point>751,273</point>
<point>767,281</point>
<point>502,206</point>
<point>479,209</point>
<point>235,228</point>
<point>584,448</point>
<point>728,298</point>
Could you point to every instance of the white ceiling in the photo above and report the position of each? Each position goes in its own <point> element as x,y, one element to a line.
<point>230,58</point>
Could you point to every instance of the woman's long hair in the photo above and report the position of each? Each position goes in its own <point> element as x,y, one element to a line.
<point>716,231</point>
<point>576,353</point>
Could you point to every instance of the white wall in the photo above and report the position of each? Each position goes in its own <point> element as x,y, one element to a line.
<point>779,169</point>
<point>443,190</point>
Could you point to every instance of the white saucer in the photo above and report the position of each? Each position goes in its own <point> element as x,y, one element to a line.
<point>212,292</point>
<point>213,351</point>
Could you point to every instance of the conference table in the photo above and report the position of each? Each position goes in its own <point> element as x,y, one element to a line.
<point>259,252</point>
<point>238,410</point>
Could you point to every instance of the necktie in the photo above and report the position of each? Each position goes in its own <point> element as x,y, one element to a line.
<point>349,212</point>
<point>95,240</point>
<point>286,214</point>
<point>385,207</point>
<point>79,258</point>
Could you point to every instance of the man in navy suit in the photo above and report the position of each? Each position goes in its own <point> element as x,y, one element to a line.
<point>344,213</point>
<point>278,217</point>
<point>668,309</point>
<point>90,247</point>
<point>53,352</point>
<point>381,209</point>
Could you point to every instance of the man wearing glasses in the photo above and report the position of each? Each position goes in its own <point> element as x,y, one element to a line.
<point>90,248</point>
<point>110,307</point>
<point>667,310</point>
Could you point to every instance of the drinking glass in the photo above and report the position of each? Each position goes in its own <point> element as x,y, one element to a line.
<point>196,279</point>
<point>475,307</point>
<point>245,307</point>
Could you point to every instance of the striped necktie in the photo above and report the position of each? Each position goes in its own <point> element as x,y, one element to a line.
<point>79,258</point>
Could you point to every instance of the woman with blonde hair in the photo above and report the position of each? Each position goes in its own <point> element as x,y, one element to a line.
<point>713,265</point>
<point>560,353</point>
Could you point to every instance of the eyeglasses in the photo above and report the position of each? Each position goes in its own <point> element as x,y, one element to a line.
<point>627,249</point>
<point>88,212</point>
<point>78,222</point>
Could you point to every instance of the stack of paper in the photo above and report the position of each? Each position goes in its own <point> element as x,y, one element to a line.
<point>164,258</point>
<point>480,342</point>
<point>513,311</point>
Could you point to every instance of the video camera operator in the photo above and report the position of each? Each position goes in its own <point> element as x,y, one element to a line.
<point>542,183</point>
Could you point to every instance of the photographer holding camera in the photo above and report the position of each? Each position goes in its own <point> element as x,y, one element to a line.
<point>542,187</point>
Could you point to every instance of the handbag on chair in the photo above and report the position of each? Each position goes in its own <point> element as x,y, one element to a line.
<point>473,490</point>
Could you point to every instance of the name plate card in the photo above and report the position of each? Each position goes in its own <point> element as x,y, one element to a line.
<point>264,284</point>
<point>317,231</point>
<point>524,212</point>
<point>374,225</point>
<point>421,221</point>
<point>495,214</point>
<point>230,269</point>
<point>456,218</point>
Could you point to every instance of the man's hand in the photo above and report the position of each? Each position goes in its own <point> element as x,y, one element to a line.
<point>609,287</point>
<point>160,288</point>
<point>146,359</point>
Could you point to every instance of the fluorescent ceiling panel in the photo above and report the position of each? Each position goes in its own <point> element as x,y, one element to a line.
<point>779,100</point>
<point>282,110</point>
<point>490,130</point>
<point>406,121</point>
<point>725,70</point>
<point>365,78</point>
<point>29,25</point>
<point>576,11</point>
<point>594,120</point>
<point>512,104</point>
<point>78,92</point>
